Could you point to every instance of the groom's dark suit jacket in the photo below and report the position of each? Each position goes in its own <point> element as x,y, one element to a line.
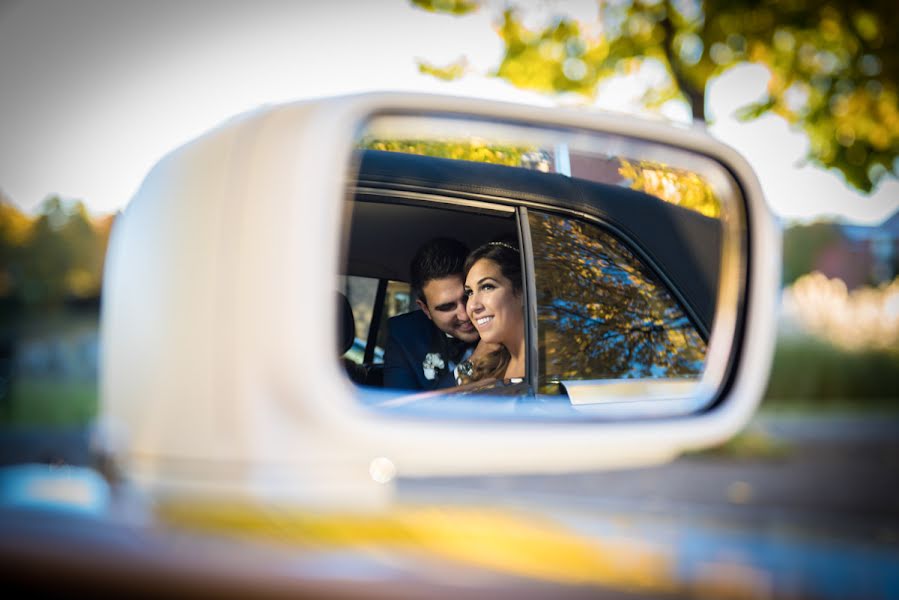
<point>411,337</point>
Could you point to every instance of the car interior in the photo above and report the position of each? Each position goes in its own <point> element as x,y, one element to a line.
<point>385,232</point>
<point>655,255</point>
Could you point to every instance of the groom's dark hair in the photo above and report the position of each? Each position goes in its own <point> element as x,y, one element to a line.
<point>436,259</point>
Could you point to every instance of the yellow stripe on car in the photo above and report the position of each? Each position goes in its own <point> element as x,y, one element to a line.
<point>510,542</point>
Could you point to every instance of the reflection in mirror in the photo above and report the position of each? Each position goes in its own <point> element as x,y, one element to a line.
<point>502,270</point>
<point>625,323</point>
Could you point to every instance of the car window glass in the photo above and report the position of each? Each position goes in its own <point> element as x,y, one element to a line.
<point>397,301</point>
<point>601,313</point>
<point>362,293</point>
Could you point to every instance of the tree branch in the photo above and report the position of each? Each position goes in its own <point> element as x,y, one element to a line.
<point>695,97</point>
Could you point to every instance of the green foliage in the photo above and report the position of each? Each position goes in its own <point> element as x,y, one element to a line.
<point>57,255</point>
<point>755,110</point>
<point>450,72</point>
<point>808,368</point>
<point>51,403</point>
<point>452,7</point>
<point>803,244</point>
<point>750,444</point>
<point>559,58</point>
<point>457,150</point>
<point>834,66</point>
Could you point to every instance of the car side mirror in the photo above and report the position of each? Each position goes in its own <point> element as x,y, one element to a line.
<point>218,322</point>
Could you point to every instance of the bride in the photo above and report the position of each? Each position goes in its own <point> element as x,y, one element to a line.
<point>495,306</point>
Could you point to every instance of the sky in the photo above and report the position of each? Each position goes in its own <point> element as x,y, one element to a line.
<point>94,92</point>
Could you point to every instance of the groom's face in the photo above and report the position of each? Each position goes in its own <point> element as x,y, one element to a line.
<point>445,306</point>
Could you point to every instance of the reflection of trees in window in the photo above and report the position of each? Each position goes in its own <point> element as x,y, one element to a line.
<point>678,186</point>
<point>602,314</point>
<point>469,149</point>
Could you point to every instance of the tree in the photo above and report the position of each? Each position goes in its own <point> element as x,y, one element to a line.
<point>834,65</point>
<point>54,256</point>
<point>15,234</point>
<point>802,246</point>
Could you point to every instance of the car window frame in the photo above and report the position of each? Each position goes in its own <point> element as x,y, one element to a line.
<point>377,312</point>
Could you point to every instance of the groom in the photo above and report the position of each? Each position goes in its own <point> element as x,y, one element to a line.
<point>424,346</point>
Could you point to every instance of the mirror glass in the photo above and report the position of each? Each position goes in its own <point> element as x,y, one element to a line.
<point>507,270</point>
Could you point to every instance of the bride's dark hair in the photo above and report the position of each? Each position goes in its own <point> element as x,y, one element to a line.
<point>505,254</point>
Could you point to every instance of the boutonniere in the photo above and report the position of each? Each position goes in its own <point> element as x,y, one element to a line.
<point>433,362</point>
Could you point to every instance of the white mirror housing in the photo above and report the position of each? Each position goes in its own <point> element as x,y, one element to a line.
<point>218,373</point>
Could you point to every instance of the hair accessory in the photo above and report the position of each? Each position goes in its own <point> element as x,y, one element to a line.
<point>504,245</point>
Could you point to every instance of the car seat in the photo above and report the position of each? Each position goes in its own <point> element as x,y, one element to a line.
<point>345,336</point>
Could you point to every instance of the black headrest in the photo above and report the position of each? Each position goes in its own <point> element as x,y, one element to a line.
<point>346,324</point>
